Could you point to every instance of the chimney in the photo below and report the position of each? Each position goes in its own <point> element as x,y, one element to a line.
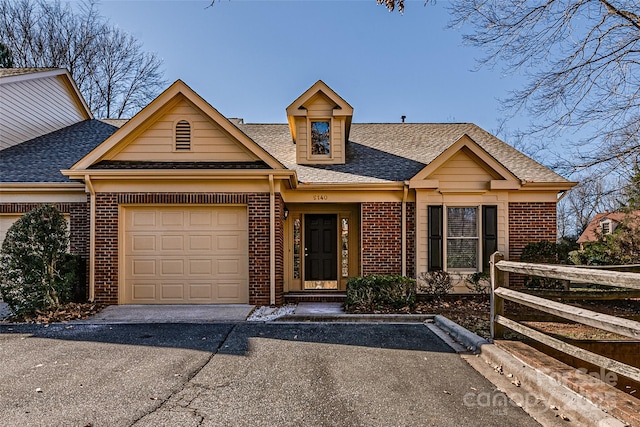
<point>403,117</point>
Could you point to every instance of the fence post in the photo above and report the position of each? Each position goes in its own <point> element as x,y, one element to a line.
<point>496,303</point>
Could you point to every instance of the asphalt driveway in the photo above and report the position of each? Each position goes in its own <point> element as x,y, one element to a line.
<point>253,374</point>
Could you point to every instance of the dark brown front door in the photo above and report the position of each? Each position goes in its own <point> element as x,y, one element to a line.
<point>321,247</point>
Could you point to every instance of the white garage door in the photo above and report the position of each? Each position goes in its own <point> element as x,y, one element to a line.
<point>185,255</point>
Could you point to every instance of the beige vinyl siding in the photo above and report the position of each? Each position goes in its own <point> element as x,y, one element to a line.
<point>424,198</point>
<point>461,172</point>
<point>6,221</point>
<point>35,107</point>
<point>208,141</point>
<point>302,144</point>
<point>320,106</point>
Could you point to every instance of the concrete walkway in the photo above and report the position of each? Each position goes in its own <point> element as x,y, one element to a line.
<point>171,314</point>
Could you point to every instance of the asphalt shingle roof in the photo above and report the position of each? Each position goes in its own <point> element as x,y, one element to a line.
<point>385,152</point>
<point>41,159</point>
<point>10,72</point>
<point>376,153</point>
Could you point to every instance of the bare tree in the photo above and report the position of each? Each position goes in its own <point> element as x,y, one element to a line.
<point>581,59</point>
<point>114,74</point>
<point>6,58</point>
<point>583,202</point>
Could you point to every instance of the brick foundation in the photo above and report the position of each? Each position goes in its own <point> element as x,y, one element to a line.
<point>529,222</point>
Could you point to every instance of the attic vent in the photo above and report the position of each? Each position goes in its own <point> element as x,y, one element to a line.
<point>183,135</point>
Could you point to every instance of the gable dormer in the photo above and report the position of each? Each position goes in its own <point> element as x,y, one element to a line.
<point>319,122</point>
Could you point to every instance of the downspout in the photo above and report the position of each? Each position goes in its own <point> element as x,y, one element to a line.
<point>404,229</point>
<point>92,238</point>
<point>272,240</point>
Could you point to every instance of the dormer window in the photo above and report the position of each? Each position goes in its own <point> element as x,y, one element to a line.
<point>183,136</point>
<point>320,138</point>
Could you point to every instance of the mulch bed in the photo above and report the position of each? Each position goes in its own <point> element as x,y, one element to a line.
<point>65,313</point>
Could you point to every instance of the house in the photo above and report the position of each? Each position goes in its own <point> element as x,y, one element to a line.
<point>181,205</point>
<point>601,225</point>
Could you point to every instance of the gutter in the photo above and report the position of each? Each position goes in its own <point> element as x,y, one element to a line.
<point>404,229</point>
<point>272,241</point>
<point>92,238</point>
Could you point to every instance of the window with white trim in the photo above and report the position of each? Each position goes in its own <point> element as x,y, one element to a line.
<point>461,238</point>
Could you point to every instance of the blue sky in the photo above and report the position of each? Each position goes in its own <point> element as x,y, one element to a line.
<point>251,59</point>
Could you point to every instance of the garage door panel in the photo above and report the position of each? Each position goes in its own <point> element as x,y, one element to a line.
<point>142,267</point>
<point>229,290</point>
<point>200,267</point>
<point>200,242</point>
<point>141,243</point>
<point>144,292</point>
<point>173,219</point>
<point>172,291</point>
<point>185,254</point>
<point>229,266</point>
<point>229,242</point>
<point>142,219</point>
<point>172,267</point>
<point>201,218</point>
<point>201,291</point>
<point>172,243</point>
<point>230,221</point>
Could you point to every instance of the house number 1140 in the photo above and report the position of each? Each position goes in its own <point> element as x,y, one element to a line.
<point>320,197</point>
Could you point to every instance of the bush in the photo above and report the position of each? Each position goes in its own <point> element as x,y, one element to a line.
<point>370,293</point>
<point>36,272</point>
<point>435,283</point>
<point>544,252</point>
<point>478,282</point>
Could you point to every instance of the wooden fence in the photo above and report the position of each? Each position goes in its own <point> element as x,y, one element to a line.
<point>500,293</point>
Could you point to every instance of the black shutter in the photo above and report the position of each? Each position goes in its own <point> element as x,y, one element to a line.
<point>435,238</point>
<point>489,234</point>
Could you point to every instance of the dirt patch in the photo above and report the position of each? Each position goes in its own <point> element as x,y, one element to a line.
<point>472,313</point>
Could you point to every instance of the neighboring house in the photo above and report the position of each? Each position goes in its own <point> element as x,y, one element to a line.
<point>602,224</point>
<point>37,102</point>
<point>181,205</point>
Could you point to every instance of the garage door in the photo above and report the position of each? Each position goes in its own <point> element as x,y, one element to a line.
<point>185,255</point>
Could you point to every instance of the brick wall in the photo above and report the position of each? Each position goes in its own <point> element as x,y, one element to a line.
<point>381,237</point>
<point>106,249</point>
<point>106,269</point>
<point>78,229</point>
<point>529,222</point>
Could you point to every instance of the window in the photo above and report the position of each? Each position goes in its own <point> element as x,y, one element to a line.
<point>462,238</point>
<point>320,139</point>
<point>344,246</point>
<point>183,136</point>
<point>297,241</point>
<point>470,237</point>
<point>606,227</point>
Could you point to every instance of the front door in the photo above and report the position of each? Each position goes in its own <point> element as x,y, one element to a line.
<point>321,251</point>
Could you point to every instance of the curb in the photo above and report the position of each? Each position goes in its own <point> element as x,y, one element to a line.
<point>391,318</point>
<point>547,391</point>
<point>467,338</point>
